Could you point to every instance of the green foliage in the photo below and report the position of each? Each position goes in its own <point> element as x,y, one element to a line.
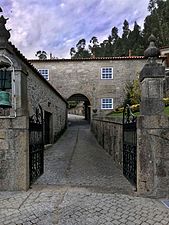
<point>166,110</point>
<point>94,47</point>
<point>134,41</point>
<point>41,55</point>
<point>133,92</point>
<point>136,109</point>
<point>80,51</point>
<point>157,22</point>
<point>72,104</point>
<point>166,101</point>
<point>113,45</point>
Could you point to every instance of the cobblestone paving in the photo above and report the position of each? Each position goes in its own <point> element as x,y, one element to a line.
<point>80,186</point>
<point>32,207</point>
<point>110,209</point>
<point>78,160</point>
<point>78,206</point>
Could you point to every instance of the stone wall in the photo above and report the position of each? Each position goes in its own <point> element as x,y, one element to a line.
<point>40,93</point>
<point>109,133</point>
<point>14,132</point>
<point>14,154</point>
<point>152,129</point>
<point>152,150</point>
<point>153,155</point>
<point>31,89</point>
<point>84,77</point>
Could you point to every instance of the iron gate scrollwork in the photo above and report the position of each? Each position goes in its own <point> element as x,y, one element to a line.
<point>36,145</point>
<point>129,145</point>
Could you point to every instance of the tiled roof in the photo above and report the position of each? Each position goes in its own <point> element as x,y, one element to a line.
<point>90,59</point>
<point>164,47</point>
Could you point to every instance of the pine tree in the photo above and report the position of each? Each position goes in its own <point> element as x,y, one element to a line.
<point>124,40</point>
<point>135,40</point>
<point>156,23</point>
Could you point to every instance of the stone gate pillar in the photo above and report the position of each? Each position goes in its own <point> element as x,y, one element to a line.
<point>152,129</point>
<point>14,127</point>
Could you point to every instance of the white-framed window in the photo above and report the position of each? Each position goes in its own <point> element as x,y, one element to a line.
<point>107,73</point>
<point>44,73</point>
<point>106,103</point>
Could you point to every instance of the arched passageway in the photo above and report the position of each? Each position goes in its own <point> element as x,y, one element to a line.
<point>79,105</point>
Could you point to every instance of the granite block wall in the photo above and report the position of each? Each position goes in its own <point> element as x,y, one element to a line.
<point>153,156</point>
<point>84,77</point>
<point>109,133</point>
<point>39,93</point>
<point>30,91</point>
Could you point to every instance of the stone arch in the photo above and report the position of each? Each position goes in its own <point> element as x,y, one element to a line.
<point>78,97</point>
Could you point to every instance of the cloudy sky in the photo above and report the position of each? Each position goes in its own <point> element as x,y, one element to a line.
<point>57,25</point>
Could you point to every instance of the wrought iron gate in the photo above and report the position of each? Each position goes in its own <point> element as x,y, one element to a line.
<point>47,116</point>
<point>129,146</point>
<point>36,145</point>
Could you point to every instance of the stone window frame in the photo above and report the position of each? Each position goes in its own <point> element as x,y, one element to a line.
<point>107,73</point>
<point>44,73</point>
<point>106,103</point>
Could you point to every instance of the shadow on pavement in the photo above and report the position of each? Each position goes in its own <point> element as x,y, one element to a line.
<point>76,120</point>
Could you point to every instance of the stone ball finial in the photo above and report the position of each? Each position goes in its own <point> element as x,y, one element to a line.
<point>4,33</point>
<point>152,51</point>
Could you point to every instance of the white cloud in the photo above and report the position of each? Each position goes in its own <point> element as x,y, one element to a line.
<point>56,25</point>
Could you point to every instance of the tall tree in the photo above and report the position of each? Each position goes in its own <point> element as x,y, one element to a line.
<point>126,29</point>
<point>108,47</point>
<point>157,22</point>
<point>81,44</point>
<point>94,47</point>
<point>81,52</point>
<point>152,5</point>
<point>135,40</point>
<point>114,34</point>
<point>72,52</point>
<point>124,40</point>
<point>41,55</point>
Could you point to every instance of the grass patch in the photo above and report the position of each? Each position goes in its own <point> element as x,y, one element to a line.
<point>166,111</point>
<point>116,114</point>
<point>120,114</point>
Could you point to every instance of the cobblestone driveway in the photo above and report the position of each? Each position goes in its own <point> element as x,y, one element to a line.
<point>78,206</point>
<point>80,186</point>
<point>78,160</point>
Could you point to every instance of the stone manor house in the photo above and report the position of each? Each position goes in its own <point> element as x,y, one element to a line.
<point>99,82</point>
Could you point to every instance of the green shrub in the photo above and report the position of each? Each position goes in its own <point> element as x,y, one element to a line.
<point>166,101</point>
<point>135,108</point>
<point>133,92</point>
<point>119,109</point>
